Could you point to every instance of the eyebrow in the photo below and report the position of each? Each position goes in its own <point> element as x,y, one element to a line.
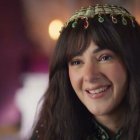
<point>97,50</point>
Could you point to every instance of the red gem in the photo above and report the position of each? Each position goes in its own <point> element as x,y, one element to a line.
<point>86,24</point>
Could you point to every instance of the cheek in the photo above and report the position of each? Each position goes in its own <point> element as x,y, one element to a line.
<point>74,78</point>
<point>117,73</point>
<point>118,77</point>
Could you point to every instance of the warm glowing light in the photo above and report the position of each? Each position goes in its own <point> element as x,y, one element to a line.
<point>54,29</point>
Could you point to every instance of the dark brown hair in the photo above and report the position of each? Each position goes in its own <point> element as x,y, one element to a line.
<point>63,116</point>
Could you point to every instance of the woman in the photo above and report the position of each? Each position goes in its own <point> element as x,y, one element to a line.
<point>94,88</point>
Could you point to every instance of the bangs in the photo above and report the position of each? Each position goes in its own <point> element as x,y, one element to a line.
<point>78,40</point>
<point>104,35</point>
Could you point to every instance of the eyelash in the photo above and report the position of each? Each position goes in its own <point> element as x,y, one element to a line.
<point>75,62</point>
<point>102,58</point>
<point>105,58</point>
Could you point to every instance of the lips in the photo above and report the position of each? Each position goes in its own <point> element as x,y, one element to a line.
<point>97,92</point>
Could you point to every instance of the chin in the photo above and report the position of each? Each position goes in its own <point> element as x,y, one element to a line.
<point>102,112</point>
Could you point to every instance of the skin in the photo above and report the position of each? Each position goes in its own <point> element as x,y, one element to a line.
<point>99,79</point>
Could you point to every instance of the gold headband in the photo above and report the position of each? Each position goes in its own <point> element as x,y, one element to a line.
<point>100,11</point>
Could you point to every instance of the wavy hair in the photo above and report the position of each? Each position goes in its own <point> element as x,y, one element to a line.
<point>63,116</point>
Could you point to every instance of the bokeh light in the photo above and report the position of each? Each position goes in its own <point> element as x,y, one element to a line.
<point>54,28</point>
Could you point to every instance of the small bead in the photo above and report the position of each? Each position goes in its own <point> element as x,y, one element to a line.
<point>114,20</point>
<point>101,19</point>
<point>74,24</point>
<point>124,21</point>
<point>103,137</point>
<point>37,131</point>
<point>133,25</point>
<point>86,24</point>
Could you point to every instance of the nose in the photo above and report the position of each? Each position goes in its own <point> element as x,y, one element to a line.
<point>91,72</point>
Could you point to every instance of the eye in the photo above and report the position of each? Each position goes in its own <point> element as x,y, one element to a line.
<point>75,62</point>
<point>105,58</point>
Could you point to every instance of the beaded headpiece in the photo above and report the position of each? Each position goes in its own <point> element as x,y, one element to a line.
<point>100,11</point>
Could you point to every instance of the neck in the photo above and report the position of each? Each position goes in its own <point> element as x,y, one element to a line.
<point>112,121</point>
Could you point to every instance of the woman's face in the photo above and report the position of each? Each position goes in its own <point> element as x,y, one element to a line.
<point>99,79</point>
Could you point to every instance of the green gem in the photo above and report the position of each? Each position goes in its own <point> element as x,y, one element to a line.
<point>103,137</point>
<point>74,24</point>
<point>101,19</point>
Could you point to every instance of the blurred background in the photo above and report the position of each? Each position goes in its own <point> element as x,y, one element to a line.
<point>28,33</point>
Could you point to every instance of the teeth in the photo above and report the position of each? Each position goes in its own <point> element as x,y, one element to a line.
<point>102,89</point>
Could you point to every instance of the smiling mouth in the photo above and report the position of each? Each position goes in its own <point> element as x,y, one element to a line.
<point>99,92</point>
